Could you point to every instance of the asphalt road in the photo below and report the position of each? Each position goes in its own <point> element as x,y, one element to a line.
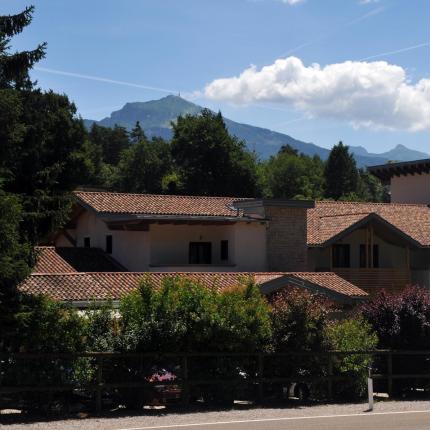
<point>388,415</point>
<point>379,421</point>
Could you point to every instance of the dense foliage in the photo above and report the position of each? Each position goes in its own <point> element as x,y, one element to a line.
<point>298,321</point>
<point>402,321</point>
<point>353,334</point>
<point>186,316</point>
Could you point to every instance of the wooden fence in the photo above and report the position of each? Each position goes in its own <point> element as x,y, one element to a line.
<point>328,360</point>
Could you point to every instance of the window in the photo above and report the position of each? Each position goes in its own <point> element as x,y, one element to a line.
<point>363,256</point>
<point>200,253</point>
<point>109,244</point>
<point>87,242</point>
<point>224,250</point>
<point>341,256</point>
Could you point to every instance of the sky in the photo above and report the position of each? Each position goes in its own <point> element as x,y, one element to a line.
<point>319,70</point>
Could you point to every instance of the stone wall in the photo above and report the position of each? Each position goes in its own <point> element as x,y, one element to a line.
<point>287,239</point>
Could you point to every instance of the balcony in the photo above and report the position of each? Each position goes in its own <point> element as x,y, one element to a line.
<point>374,280</point>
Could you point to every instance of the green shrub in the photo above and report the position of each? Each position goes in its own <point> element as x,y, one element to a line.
<point>184,315</point>
<point>351,335</point>
<point>298,321</point>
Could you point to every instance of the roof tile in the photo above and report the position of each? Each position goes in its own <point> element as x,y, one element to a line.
<point>153,204</point>
<point>328,219</point>
<point>114,285</point>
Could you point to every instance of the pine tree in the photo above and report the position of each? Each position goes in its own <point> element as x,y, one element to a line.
<point>341,174</point>
<point>137,134</point>
<point>14,67</point>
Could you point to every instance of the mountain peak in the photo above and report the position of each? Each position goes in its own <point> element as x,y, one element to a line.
<point>156,116</point>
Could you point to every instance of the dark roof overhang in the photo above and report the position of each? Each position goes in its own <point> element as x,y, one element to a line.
<point>386,171</point>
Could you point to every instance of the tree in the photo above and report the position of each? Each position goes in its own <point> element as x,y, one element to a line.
<point>15,262</point>
<point>137,134</point>
<point>209,160</point>
<point>143,166</point>
<point>14,67</point>
<point>341,174</point>
<point>40,157</point>
<point>293,176</point>
<point>370,188</point>
<point>113,141</point>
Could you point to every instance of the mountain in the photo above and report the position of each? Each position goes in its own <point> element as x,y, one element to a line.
<point>155,117</point>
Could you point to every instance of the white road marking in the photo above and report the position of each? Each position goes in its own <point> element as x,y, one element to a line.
<point>275,419</point>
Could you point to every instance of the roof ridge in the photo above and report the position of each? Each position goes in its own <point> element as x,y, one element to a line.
<point>161,195</point>
<point>337,202</point>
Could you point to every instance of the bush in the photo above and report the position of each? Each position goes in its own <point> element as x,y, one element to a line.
<point>298,321</point>
<point>401,321</point>
<point>351,335</point>
<point>44,326</point>
<point>184,315</point>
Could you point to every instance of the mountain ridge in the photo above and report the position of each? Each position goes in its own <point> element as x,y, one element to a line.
<point>155,117</point>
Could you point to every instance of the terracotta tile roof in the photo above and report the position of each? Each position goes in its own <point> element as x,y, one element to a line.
<point>49,261</point>
<point>71,259</point>
<point>153,204</point>
<point>102,286</point>
<point>332,282</point>
<point>328,219</point>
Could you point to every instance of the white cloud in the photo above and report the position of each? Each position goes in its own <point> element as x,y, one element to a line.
<point>293,2</point>
<point>368,1</point>
<point>364,94</point>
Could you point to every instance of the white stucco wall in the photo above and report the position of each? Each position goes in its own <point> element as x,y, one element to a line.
<point>410,189</point>
<point>165,247</point>
<point>170,246</point>
<point>130,248</point>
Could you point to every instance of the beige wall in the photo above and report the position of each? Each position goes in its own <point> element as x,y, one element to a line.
<point>170,245</point>
<point>390,256</point>
<point>165,247</point>
<point>410,189</point>
<point>130,248</point>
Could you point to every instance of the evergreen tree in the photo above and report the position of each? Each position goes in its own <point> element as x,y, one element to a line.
<point>209,160</point>
<point>14,67</point>
<point>340,173</point>
<point>137,134</point>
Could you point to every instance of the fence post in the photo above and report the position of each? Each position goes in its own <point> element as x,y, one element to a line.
<point>390,373</point>
<point>260,377</point>
<point>99,380</point>
<point>330,375</point>
<point>185,382</point>
<point>370,389</point>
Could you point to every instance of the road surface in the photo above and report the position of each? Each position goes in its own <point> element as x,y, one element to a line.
<point>388,415</point>
<point>417,420</point>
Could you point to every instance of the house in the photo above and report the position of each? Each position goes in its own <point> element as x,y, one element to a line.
<point>372,245</point>
<point>409,181</point>
<point>340,249</point>
<point>159,233</point>
<point>56,275</point>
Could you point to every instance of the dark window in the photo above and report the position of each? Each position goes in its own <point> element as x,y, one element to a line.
<point>363,256</point>
<point>224,250</point>
<point>109,244</point>
<point>376,256</point>
<point>200,253</point>
<point>341,256</point>
<point>87,242</point>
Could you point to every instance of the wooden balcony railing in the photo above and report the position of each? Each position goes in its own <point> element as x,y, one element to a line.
<point>374,280</point>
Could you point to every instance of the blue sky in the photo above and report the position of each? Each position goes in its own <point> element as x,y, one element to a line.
<point>205,48</point>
